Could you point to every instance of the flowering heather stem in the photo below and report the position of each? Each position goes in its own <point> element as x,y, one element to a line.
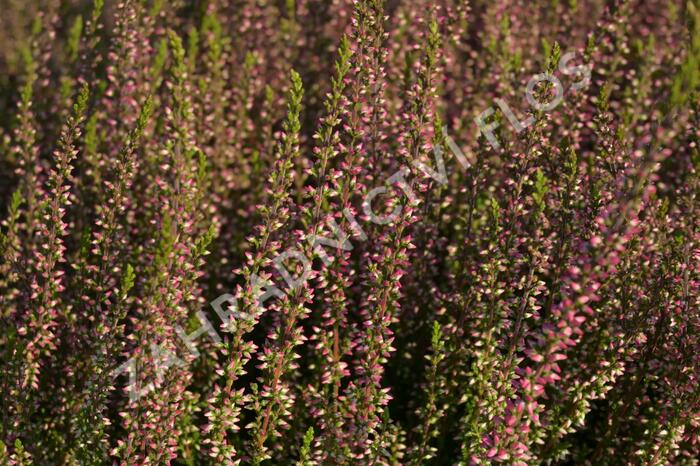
<point>432,412</point>
<point>38,323</point>
<point>333,335</point>
<point>293,306</point>
<point>224,406</point>
<point>26,147</point>
<point>106,318</point>
<point>386,269</point>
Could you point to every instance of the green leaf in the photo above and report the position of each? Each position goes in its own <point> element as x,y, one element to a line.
<point>73,42</point>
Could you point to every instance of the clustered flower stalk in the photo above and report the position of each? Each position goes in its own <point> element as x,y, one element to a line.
<point>279,360</point>
<point>39,322</point>
<point>349,232</point>
<point>387,267</point>
<point>225,404</point>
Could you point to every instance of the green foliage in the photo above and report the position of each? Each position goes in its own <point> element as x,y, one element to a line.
<point>305,451</point>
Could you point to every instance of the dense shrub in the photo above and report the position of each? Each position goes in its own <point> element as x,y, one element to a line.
<point>349,232</point>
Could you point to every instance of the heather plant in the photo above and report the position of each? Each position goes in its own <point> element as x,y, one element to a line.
<point>373,232</point>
